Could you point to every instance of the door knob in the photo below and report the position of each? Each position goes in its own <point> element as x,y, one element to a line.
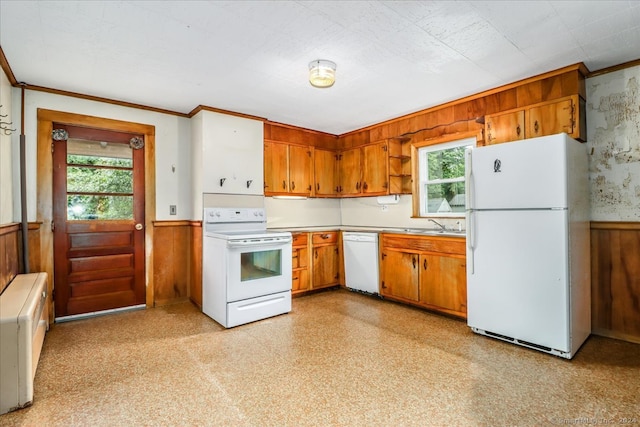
<point>138,226</point>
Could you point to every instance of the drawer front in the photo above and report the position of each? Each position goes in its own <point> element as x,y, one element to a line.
<point>325,237</point>
<point>299,239</point>
<point>300,280</point>
<point>299,258</point>
<point>448,245</point>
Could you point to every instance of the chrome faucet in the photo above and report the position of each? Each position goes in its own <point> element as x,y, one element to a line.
<point>443,228</point>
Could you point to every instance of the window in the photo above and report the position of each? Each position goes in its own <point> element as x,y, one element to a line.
<point>99,180</point>
<point>441,183</point>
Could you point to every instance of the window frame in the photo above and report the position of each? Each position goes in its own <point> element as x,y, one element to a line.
<point>436,144</point>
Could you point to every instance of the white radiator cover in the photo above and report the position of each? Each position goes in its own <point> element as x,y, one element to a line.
<point>24,319</point>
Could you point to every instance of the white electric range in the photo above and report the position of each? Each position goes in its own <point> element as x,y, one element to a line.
<point>246,270</point>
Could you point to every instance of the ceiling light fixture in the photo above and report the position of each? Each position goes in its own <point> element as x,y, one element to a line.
<point>322,73</point>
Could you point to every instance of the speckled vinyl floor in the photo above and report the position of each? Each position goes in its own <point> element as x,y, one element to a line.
<point>338,359</point>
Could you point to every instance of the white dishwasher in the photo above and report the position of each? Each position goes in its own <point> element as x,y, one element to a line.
<point>361,261</point>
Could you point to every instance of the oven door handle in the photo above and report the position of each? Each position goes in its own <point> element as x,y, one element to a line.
<point>258,242</point>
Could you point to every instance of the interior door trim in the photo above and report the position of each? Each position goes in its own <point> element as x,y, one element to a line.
<point>44,179</point>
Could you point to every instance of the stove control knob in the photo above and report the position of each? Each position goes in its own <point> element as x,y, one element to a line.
<point>261,213</point>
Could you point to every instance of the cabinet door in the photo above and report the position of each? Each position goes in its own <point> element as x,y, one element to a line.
<point>443,282</point>
<point>504,127</point>
<point>375,169</point>
<point>325,172</point>
<point>350,172</point>
<point>326,266</point>
<point>551,118</point>
<point>300,178</point>
<point>399,275</point>
<point>275,168</point>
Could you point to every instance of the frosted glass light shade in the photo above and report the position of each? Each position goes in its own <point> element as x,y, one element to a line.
<point>322,73</point>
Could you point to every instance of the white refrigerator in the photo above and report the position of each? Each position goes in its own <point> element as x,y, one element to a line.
<point>528,254</point>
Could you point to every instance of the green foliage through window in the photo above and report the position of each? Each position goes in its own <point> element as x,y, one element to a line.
<point>99,187</point>
<point>442,175</point>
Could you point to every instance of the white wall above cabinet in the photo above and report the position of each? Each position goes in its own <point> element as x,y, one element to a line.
<point>228,154</point>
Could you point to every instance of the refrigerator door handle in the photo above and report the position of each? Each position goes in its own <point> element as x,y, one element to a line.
<point>471,244</point>
<point>468,176</point>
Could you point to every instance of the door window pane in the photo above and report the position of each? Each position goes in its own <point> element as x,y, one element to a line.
<point>100,207</point>
<point>99,180</point>
<point>260,264</point>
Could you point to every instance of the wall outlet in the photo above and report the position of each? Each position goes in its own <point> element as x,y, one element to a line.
<point>385,208</point>
<point>172,210</point>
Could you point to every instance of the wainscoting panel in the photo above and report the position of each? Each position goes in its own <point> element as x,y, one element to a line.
<point>615,280</point>
<point>172,261</point>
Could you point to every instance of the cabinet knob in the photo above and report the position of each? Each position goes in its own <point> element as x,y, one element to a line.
<point>293,185</point>
<point>317,187</point>
<point>518,130</point>
<point>414,262</point>
<point>424,264</point>
<point>284,184</point>
<point>535,126</point>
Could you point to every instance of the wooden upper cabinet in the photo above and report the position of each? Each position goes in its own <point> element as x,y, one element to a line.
<point>276,173</point>
<point>546,118</point>
<point>350,172</point>
<point>364,170</point>
<point>287,169</point>
<point>553,117</point>
<point>325,167</point>
<point>504,127</point>
<point>375,169</point>
<point>300,171</point>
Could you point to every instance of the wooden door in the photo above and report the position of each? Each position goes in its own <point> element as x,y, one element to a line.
<point>551,118</point>
<point>98,221</point>
<point>350,172</point>
<point>326,173</point>
<point>276,175</point>
<point>504,127</point>
<point>300,172</point>
<point>399,275</point>
<point>443,282</point>
<point>326,266</point>
<point>375,169</point>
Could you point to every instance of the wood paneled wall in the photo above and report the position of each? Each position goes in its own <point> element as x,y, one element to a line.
<point>9,253</point>
<point>615,280</point>
<point>286,133</point>
<point>195,285</point>
<point>467,114</point>
<point>172,255</point>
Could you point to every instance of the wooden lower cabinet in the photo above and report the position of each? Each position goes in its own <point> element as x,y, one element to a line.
<point>400,275</point>
<point>443,282</point>
<point>300,263</point>
<point>325,259</point>
<point>426,271</point>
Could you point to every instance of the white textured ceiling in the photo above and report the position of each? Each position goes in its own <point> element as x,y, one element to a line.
<point>394,57</point>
